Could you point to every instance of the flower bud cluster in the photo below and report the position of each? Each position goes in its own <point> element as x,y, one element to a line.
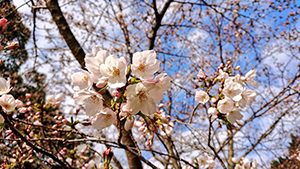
<point>245,164</point>
<point>150,126</point>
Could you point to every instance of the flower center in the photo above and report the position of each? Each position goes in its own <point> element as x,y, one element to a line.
<point>94,98</point>
<point>142,95</point>
<point>142,67</point>
<point>6,106</point>
<point>115,71</point>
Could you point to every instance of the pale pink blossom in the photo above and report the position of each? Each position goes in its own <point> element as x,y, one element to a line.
<point>81,80</point>
<point>90,99</point>
<point>160,84</point>
<point>94,61</point>
<point>4,86</point>
<point>212,111</point>
<point>234,115</point>
<point>115,70</point>
<point>249,78</point>
<point>139,98</point>
<point>225,105</point>
<point>233,90</point>
<point>104,119</point>
<point>201,97</point>
<point>8,102</point>
<point>145,64</point>
<point>248,97</point>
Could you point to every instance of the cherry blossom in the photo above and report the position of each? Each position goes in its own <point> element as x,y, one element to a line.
<point>233,90</point>
<point>205,161</point>
<point>212,111</point>
<point>225,105</point>
<point>234,115</point>
<point>139,98</point>
<point>90,99</point>
<point>8,102</point>
<point>4,86</point>
<point>248,96</point>
<point>249,78</point>
<point>94,61</point>
<point>159,84</point>
<point>201,97</point>
<point>81,80</point>
<point>145,64</point>
<point>104,119</point>
<point>115,70</point>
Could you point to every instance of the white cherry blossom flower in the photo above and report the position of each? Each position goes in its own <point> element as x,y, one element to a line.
<point>159,84</point>
<point>60,97</point>
<point>104,119</point>
<point>81,80</point>
<point>222,75</point>
<point>248,96</point>
<point>139,98</point>
<point>90,99</point>
<point>233,90</point>
<point>8,102</point>
<point>205,161</point>
<point>249,78</point>
<point>115,70</point>
<point>145,64</point>
<point>201,97</point>
<point>4,86</point>
<point>234,115</point>
<point>212,111</point>
<point>94,61</point>
<point>226,105</point>
<point>50,99</point>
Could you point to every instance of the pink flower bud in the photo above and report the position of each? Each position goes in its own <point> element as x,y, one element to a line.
<point>8,131</point>
<point>27,95</point>
<point>60,117</point>
<point>101,82</point>
<point>55,132</point>
<point>138,123</point>
<point>65,121</point>
<point>234,159</point>
<point>3,24</point>
<point>214,100</point>
<point>23,110</point>
<point>13,46</point>
<point>212,111</point>
<point>29,109</point>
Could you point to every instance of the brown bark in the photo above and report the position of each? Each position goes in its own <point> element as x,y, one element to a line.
<point>65,31</point>
<point>133,160</point>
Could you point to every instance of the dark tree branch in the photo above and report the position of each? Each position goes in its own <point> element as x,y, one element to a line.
<point>65,31</point>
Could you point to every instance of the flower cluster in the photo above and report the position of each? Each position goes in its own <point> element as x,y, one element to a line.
<point>7,101</point>
<point>245,164</point>
<point>233,94</point>
<point>134,86</point>
<point>205,161</point>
